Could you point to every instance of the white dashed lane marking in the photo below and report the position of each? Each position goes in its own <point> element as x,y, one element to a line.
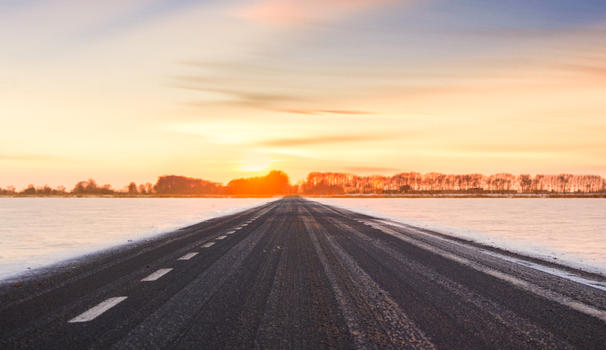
<point>230,232</point>
<point>208,245</point>
<point>188,256</point>
<point>221,237</point>
<point>97,310</point>
<point>154,276</point>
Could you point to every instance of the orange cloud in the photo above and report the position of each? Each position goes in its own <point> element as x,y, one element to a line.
<point>325,111</point>
<point>295,12</point>
<point>303,141</point>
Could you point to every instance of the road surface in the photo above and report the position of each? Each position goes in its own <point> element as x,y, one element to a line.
<point>297,274</point>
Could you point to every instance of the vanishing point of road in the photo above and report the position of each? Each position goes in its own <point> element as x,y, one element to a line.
<point>296,274</point>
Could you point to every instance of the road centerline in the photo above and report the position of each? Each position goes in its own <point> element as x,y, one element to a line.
<point>156,275</point>
<point>97,310</point>
<point>188,256</point>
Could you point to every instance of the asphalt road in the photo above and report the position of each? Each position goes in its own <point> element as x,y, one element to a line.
<point>295,274</point>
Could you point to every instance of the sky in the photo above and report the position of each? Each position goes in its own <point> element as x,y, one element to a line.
<point>129,90</point>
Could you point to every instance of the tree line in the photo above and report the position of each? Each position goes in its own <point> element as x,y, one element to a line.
<point>277,183</point>
<point>274,183</point>
<point>413,182</point>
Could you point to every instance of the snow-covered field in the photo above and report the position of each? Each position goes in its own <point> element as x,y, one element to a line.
<point>35,232</point>
<point>571,231</point>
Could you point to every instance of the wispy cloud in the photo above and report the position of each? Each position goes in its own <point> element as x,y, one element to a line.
<point>28,157</point>
<point>545,148</point>
<point>296,12</point>
<point>325,111</point>
<point>242,85</point>
<point>258,98</point>
<point>261,98</point>
<point>265,98</point>
<point>306,141</point>
<point>593,70</point>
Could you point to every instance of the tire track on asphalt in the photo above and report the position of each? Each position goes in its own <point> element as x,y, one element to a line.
<point>526,334</point>
<point>301,311</point>
<point>365,302</point>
